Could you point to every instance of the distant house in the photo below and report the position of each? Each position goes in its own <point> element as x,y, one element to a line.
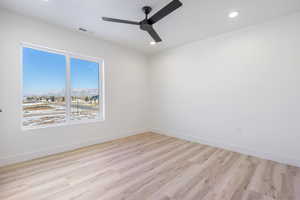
<point>95,99</point>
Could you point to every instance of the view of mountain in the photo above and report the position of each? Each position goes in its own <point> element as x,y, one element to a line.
<point>75,92</point>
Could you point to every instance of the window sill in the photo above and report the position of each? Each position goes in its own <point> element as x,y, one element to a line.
<point>63,124</point>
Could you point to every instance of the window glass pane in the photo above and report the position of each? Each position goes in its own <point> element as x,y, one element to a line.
<point>44,80</point>
<point>85,90</point>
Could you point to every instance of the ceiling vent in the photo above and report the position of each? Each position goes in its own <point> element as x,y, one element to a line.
<point>82,29</point>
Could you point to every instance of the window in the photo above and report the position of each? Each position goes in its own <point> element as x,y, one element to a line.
<point>84,89</point>
<point>60,88</point>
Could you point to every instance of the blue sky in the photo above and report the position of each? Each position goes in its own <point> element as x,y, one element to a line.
<point>45,72</point>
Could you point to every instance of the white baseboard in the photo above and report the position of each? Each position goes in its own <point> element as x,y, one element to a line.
<point>60,149</point>
<point>232,147</point>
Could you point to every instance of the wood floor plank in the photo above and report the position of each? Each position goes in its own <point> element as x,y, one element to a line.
<point>211,178</point>
<point>38,178</point>
<point>149,166</point>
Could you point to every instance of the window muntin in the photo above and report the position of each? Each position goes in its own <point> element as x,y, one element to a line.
<point>60,88</point>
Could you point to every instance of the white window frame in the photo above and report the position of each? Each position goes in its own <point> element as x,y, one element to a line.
<point>68,55</point>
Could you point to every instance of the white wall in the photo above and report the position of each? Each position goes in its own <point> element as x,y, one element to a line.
<point>126,90</point>
<point>240,91</point>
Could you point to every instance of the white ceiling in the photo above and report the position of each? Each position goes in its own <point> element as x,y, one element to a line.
<point>197,19</point>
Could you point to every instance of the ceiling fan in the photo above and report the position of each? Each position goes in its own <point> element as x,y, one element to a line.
<point>147,23</point>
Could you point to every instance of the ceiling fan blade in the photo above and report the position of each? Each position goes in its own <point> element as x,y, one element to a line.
<point>120,21</point>
<point>165,11</point>
<point>154,35</point>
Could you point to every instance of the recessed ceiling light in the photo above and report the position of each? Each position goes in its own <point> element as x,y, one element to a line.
<point>152,43</point>
<point>233,14</point>
<point>45,0</point>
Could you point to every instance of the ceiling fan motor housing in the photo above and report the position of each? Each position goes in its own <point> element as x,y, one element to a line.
<point>145,26</point>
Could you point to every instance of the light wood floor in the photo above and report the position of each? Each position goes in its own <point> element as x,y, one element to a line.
<point>150,166</point>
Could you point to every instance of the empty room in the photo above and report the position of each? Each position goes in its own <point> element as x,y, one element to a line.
<point>150,100</point>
